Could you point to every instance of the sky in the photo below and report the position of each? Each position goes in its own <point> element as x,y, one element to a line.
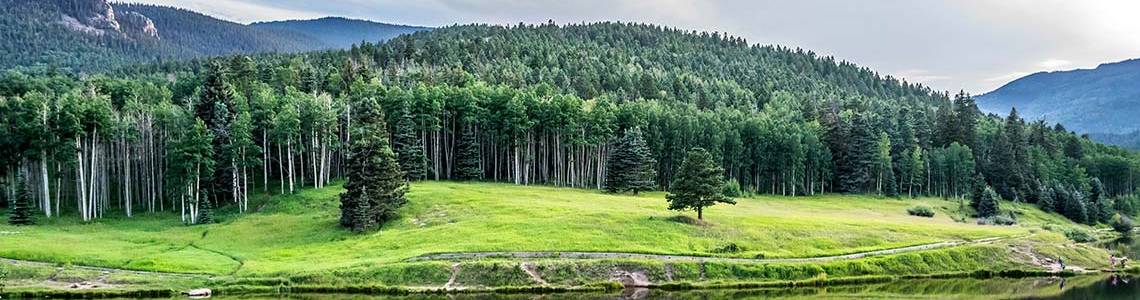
<point>950,45</point>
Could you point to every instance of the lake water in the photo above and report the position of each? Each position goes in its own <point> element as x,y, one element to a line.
<point>1081,287</point>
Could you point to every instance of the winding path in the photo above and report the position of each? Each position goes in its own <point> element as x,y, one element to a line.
<point>626,255</point>
<point>573,255</point>
<point>19,262</point>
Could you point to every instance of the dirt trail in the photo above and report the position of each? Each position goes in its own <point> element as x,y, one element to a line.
<point>529,268</point>
<point>454,274</point>
<point>624,255</point>
<point>99,269</point>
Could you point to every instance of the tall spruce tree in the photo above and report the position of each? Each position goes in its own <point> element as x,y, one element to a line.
<point>1045,198</point>
<point>631,166</point>
<point>699,184</point>
<point>375,184</point>
<point>409,147</point>
<point>215,107</point>
<point>965,121</point>
<point>468,165</point>
<point>858,161</point>
<point>21,211</point>
<point>988,203</point>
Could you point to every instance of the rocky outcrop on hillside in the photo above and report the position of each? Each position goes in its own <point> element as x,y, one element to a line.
<point>98,17</point>
<point>136,24</point>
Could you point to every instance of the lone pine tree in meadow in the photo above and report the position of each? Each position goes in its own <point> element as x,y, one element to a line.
<point>631,165</point>
<point>987,203</point>
<point>698,185</point>
<point>375,184</point>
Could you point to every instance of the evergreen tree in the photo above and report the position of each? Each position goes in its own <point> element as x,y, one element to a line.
<point>859,158</point>
<point>468,165</point>
<point>1099,208</point>
<point>1075,207</point>
<point>977,190</point>
<point>21,211</point>
<point>375,184</point>
<point>1010,159</point>
<point>631,166</point>
<point>699,184</point>
<point>409,147</point>
<point>965,121</point>
<point>988,203</point>
<point>1045,199</point>
<point>215,107</point>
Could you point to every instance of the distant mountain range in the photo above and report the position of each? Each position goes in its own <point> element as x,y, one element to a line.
<point>96,34</point>
<point>335,32</point>
<point>1103,102</point>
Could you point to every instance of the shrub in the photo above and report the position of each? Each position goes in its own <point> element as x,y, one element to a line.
<point>1004,221</point>
<point>1122,224</point>
<point>921,211</point>
<point>732,189</point>
<point>997,220</point>
<point>728,248</point>
<point>1079,235</point>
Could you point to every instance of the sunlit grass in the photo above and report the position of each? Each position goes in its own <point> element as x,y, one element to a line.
<point>299,233</point>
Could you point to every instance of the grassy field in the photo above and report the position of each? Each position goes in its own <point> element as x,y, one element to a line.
<point>291,232</point>
<point>297,237</point>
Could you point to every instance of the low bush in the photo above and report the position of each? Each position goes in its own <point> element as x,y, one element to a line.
<point>921,211</point>
<point>728,248</point>
<point>1122,224</point>
<point>1079,235</point>
<point>997,220</point>
<point>732,189</point>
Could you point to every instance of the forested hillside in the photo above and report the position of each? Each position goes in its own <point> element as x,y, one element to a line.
<point>531,104</point>
<point>95,35</point>
<point>340,33</point>
<point>1104,100</point>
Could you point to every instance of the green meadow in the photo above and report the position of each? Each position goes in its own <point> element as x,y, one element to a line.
<point>299,233</point>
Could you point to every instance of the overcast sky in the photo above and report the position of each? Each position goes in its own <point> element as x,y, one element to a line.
<point>947,44</point>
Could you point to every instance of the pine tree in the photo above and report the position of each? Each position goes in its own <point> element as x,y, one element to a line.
<point>409,147</point>
<point>375,184</point>
<point>858,161</point>
<point>468,166</point>
<point>215,107</point>
<point>21,212</point>
<point>978,188</point>
<point>631,166</point>
<point>1099,208</point>
<point>988,203</point>
<point>699,184</point>
<point>1045,199</point>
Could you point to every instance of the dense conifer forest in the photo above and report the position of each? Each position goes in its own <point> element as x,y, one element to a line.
<point>533,105</point>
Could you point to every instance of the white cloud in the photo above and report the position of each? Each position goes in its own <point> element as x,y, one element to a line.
<point>1053,63</point>
<point>239,10</point>
<point>920,76</point>
<point>1008,77</point>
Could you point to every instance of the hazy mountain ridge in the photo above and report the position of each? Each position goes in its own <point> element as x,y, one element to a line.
<point>337,32</point>
<point>92,35</point>
<point>1101,100</point>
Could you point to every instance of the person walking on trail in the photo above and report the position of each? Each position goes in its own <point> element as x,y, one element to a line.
<point>1061,261</point>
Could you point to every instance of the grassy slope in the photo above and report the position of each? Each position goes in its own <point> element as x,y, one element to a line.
<point>298,234</point>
